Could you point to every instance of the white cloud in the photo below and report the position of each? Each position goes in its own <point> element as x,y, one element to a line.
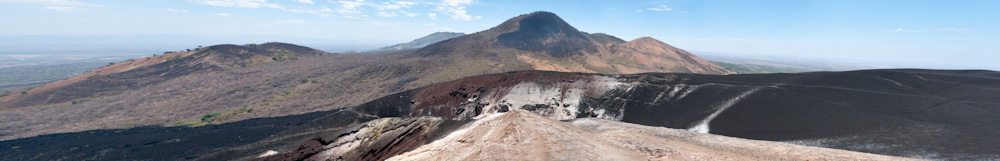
<point>175,10</point>
<point>264,4</point>
<point>409,14</point>
<point>456,9</point>
<point>350,9</point>
<point>638,10</point>
<point>386,14</point>
<point>457,2</point>
<point>395,5</point>
<point>304,1</point>
<point>660,8</point>
<point>904,30</point>
<point>291,22</point>
<point>715,39</point>
<point>62,8</point>
<point>240,3</point>
<point>432,15</point>
<point>51,2</point>
<point>222,14</point>
<point>952,29</point>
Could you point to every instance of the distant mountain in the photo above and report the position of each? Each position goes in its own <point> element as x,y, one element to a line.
<point>543,41</point>
<point>424,41</point>
<point>116,78</point>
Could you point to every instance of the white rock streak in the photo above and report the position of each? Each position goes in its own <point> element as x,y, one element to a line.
<point>702,126</point>
<point>564,97</point>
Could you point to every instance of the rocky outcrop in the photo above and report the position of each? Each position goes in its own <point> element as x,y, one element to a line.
<point>374,140</point>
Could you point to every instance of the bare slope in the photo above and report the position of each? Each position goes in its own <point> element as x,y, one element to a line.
<point>543,41</point>
<point>932,114</point>
<point>117,78</point>
<point>522,135</point>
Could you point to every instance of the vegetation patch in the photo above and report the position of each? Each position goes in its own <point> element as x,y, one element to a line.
<point>754,68</point>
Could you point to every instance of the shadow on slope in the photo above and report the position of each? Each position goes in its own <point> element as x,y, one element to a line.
<point>149,142</point>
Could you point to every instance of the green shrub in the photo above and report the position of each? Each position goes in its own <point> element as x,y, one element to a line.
<point>304,80</point>
<point>208,117</point>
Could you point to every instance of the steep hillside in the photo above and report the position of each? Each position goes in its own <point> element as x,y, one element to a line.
<point>910,113</point>
<point>116,78</point>
<point>543,41</point>
<point>424,41</point>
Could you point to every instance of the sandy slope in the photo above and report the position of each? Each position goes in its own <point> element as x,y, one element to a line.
<point>521,135</point>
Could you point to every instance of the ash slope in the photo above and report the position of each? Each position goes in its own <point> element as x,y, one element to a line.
<point>930,114</point>
<point>522,135</point>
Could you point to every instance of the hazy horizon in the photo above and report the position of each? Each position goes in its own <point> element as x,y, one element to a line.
<point>896,34</point>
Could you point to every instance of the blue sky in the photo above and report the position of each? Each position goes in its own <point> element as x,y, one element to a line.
<point>901,33</point>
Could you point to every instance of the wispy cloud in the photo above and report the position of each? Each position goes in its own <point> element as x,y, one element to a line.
<point>950,38</point>
<point>952,29</point>
<point>304,1</point>
<point>322,10</point>
<point>63,8</point>
<point>386,14</point>
<point>239,3</point>
<point>456,10</point>
<point>291,21</point>
<point>660,8</point>
<point>904,30</point>
<point>389,9</point>
<point>51,2</point>
<point>395,5</point>
<point>175,10</point>
<point>715,39</point>
<point>408,14</point>
<point>222,14</point>
<point>351,9</point>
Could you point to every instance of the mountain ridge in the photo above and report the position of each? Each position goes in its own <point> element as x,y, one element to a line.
<point>546,42</point>
<point>424,41</point>
<point>156,69</point>
<point>283,79</point>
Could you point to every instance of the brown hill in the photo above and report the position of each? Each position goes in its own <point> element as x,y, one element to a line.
<point>116,78</point>
<point>543,41</point>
